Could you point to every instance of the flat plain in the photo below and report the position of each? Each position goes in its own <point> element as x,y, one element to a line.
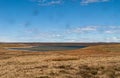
<point>95,61</point>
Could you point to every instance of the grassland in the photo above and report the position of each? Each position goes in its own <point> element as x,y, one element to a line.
<point>101,61</point>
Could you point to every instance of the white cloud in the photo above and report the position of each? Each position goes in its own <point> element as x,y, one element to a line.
<point>113,39</point>
<point>82,29</point>
<point>89,28</point>
<point>84,2</point>
<point>109,32</point>
<point>112,29</point>
<point>48,2</point>
<point>116,39</point>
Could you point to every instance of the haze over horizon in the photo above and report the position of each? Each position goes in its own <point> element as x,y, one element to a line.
<point>59,20</point>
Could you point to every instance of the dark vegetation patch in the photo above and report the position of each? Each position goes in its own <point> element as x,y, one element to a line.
<point>63,59</point>
<point>43,77</point>
<point>98,71</point>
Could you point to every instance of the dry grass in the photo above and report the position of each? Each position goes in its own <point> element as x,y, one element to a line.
<point>72,64</point>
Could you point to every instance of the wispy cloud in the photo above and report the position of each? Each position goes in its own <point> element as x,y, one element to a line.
<point>113,39</point>
<point>76,34</point>
<point>58,2</point>
<point>116,38</point>
<point>48,2</point>
<point>85,2</point>
<point>109,32</point>
<point>112,30</point>
<point>82,29</point>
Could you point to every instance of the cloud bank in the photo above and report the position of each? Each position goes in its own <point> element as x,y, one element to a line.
<point>76,34</point>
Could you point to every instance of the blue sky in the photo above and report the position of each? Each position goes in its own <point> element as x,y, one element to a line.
<point>59,20</point>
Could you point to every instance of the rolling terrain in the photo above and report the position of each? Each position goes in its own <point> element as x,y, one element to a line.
<point>98,60</point>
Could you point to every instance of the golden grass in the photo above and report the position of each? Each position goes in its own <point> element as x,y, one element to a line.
<point>92,62</point>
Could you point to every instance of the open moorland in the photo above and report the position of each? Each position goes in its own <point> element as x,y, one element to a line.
<point>98,60</point>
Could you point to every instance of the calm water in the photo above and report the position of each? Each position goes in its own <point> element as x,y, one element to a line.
<point>50,48</point>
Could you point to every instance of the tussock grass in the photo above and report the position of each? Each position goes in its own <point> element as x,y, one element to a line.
<point>85,64</point>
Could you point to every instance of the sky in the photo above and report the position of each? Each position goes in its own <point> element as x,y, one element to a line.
<point>59,20</point>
